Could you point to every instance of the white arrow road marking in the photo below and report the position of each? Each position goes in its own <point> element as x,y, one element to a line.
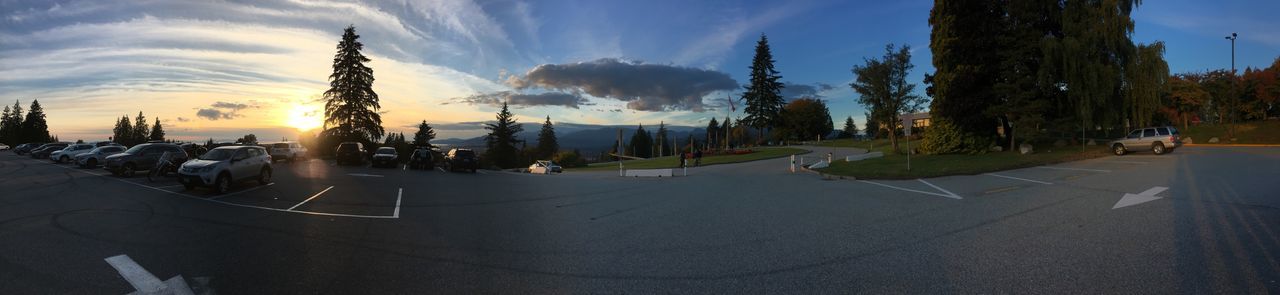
<point>364,175</point>
<point>144,281</point>
<point>1143,197</point>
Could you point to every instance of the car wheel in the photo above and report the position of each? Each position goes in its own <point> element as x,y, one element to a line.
<point>222,184</point>
<point>64,159</point>
<point>264,177</point>
<point>1118,149</point>
<point>128,170</point>
<point>1157,148</point>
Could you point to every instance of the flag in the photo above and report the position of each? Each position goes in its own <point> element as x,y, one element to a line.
<point>733,107</point>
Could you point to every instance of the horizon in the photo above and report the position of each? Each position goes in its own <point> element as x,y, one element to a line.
<point>219,70</point>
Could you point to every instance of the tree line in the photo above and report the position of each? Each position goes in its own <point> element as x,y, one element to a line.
<point>17,127</point>
<point>137,132</point>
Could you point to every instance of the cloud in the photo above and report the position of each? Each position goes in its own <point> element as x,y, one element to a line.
<point>794,91</point>
<point>520,99</point>
<point>215,114</point>
<point>230,105</point>
<point>644,87</point>
<point>182,119</point>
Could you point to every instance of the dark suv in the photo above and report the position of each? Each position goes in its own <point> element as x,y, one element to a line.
<point>351,152</point>
<point>461,159</point>
<point>142,157</point>
<point>44,150</point>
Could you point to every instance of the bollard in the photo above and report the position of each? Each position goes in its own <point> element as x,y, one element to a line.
<point>828,157</point>
<point>793,163</point>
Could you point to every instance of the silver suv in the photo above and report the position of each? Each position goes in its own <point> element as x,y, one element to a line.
<point>221,166</point>
<point>1159,140</point>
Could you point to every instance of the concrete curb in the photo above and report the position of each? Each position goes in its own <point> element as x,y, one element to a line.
<point>1233,145</point>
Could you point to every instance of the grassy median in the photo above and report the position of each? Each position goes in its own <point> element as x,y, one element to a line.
<point>1260,132</point>
<point>674,162</point>
<point>894,166</point>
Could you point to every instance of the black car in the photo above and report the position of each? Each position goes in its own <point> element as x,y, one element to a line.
<point>142,157</point>
<point>44,150</point>
<point>26,147</point>
<point>351,152</point>
<point>422,159</point>
<point>461,159</point>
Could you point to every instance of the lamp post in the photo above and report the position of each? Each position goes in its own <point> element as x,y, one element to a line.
<point>1233,52</point>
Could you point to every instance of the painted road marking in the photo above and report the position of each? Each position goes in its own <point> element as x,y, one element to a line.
<point>317,195</point>
<point>1016,178</point>
<point>1143,197</point>
<point>1074,169</point>
<point>1124,162</point>
<point>399,194</point>
<point>406,167</point>
<point>364,175</point>
<point>138,277</point>
<point>1001,190</point>
<point>440,168</point>
<point>176,185</point>
<point>242,191</point>
<point>195,197</point>
<point>953,196</point>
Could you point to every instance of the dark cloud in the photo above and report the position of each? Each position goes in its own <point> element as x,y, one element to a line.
<point>645,87</point>
<point>798,91</point>
<point>215,114</point>
<point>181,119</point>
<point>520,99</point>
<point>230,105</point>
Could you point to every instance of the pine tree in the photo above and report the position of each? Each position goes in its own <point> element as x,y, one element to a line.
<point>209,143</point>
<point>961,40</point>
<point>13,127</point>
<point>641,144</point>
<point>501,141</point>
<point>34,126</point>
<point>764,93</point>
<point>850,129</point>
<point>351,105</point>
<point>424,135</point>
<point>140,130</point>
<point>871,127</point>
<point>157,131</point>
<point>120,134</point>
<point>713,133</point>
<point>547,144</point>
<point>5,126</point>
<point>660,143</point>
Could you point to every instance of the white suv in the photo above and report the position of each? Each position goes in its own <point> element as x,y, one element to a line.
<point>288,151</point>
<point>219,167</point>
<point>70,152</point>
<point>97,155</point>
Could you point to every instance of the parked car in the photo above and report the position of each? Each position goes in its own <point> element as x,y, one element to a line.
<point>46,149</point>
<point>351,152</point>
<point>70,152</point>
<point>422,159</point>
<point>386,157</point>
<point>4,147</point>
<point>544,167</point>
<point>25,148</point>
<point>461,159</point>
<point>104,143</point>
<point>1159,140</point>
<point>97,155</point>
<point>220,167</point>
<point>288,151</point>
<point>142,157</point>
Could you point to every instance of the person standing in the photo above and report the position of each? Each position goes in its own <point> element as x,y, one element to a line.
<point>697,158</point>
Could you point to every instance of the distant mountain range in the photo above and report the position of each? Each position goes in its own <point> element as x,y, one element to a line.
<point>588,138</point>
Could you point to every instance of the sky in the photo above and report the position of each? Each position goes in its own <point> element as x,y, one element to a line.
<point>221,69</point>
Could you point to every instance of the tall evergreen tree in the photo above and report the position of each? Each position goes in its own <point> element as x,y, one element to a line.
<point>123,131</point>
<point>140,130</point>
<point>850,129</point>
<point>34,126</point>
<point>13,131</point>
<point>424,135</point>
<point>157,131</point>
<point>1025,93</point>
<point>501,141</point>
<point>871,127</point>
<point>713,133</point>
<point>208,143</point>
<point>547,144</point>
<point>351,106</point>
<point>641,144</point>
<point>661,141</point>
<point>763,95</point>
<point>962,36</point>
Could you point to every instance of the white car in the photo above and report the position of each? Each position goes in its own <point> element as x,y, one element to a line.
<point>544,167</point>
<point>221,166</point>
<point>97,155</point>
<point>4,147</point>
<point>70,152</point>
<point>288,151</point>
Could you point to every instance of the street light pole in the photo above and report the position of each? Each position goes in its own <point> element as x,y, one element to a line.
<point>1233,51</point>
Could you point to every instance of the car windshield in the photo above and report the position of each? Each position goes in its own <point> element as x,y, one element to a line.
<point>386,151</point>
<point>218,155</point>
<point>136,149</point>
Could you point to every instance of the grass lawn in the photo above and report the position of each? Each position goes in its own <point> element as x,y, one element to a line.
<point>894,166</point>
<point>674,162</point>
<point>1257,132</point>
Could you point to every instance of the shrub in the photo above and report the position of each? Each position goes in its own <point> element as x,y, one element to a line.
<point>945,138</point>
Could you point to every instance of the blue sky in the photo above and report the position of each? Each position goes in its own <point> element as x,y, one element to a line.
<point>223,68</point>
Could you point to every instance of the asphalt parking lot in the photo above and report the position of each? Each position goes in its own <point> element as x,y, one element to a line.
<point>1198,220</point>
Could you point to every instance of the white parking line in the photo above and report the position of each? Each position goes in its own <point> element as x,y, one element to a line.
<point>440,168</point>
<point>1073,169</point>
<point>309,199</point>
<point>1015,178</point>
<point>953,196</point>
<point>176,185</point>
<point>1123,162</point>
<point>399,194</point>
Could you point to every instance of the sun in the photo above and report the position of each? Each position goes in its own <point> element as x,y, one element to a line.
<point>304,117</point>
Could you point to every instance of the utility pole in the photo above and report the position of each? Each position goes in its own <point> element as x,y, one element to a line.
<point>1233,51</point>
